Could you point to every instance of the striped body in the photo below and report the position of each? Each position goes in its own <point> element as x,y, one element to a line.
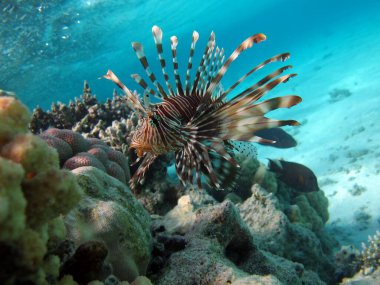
<point>195,120</point>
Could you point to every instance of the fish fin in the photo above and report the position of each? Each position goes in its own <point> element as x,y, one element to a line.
<point>195,38</point>
<point>196,86</point>
<point>275,165</point>
<point>139,50</point>
<point>139,175</point>
<point>139,80</point>
<point>157,35</point>
<point>174,43</point>
<point>132,98</point>
<point>279,57</point>
<point>248,43</point>
<point>196,160</point>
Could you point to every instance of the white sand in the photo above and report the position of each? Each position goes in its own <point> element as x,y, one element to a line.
<point>340,141</point>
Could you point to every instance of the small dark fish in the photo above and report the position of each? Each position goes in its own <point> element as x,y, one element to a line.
<point>282,139</point>
<point>295,175</point>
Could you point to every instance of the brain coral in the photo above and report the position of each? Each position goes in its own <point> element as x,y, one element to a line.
<point>76,151</point>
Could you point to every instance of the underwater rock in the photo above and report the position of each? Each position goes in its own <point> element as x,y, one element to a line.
<point>273,232</point>
<point>220,249</point>
<point>76,151</point>
<point>34,194</point>
<point>182,217</point>
<point>109,212</point>
<point>87,263</point>
<point>360,279</point>
<point>348,261</point>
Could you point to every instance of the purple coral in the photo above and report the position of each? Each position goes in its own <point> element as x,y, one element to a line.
<point>77,142</point>
<point>76,151</point>
<point>83,159</point>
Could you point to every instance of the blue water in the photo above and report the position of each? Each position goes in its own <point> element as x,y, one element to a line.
<point>49,48</point>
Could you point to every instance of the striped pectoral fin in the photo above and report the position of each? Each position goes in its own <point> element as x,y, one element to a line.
<point>273,104</point>
<point>266,106</point>
<point>227,173</point>
<point>140,173</point>
<point>280,57</point>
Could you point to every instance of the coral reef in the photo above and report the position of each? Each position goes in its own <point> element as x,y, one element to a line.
<point>365,264</point>
<point>274,232</point>
<point>111,122</point>
<point>109,212</point>
<point>220,249</point>
<point>85,115</point>
<point>37,198</point>
<point>348,262</point>
<point>34,193</point>
<point>370,255</point>
<point>75,151</point>
<point>267,234</point>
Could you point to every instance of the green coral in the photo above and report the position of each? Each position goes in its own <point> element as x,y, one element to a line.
<point>34,192</point>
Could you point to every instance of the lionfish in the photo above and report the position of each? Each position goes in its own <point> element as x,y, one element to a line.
<point>195,120</point>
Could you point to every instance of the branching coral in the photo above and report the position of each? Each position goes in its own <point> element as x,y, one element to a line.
<point>85,115</point>
<point>370,255</point>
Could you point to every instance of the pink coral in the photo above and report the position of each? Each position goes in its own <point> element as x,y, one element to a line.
<point>100,154</point>
<point>119,158</point>
<point>116,171</point>
<point>83,159</point>
<point>63,148</point>
<point>76,151</point>
<point>77,142</point>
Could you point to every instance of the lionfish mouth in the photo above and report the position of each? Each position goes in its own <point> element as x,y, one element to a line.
<point>140,148</point>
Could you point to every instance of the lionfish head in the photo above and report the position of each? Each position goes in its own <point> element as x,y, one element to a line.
<point>145,138</point>
<point>139,141</point>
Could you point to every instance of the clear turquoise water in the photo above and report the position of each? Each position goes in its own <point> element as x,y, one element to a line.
<point>49,48</point>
